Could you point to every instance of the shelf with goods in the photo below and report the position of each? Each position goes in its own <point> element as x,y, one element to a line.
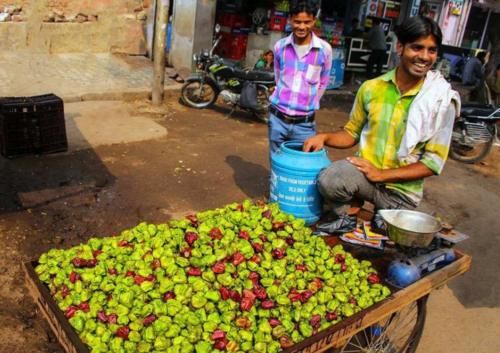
<point>249,28</point>
<point>235,26</point>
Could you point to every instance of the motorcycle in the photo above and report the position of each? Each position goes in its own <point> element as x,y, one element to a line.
<point>214,77</point>
<point>474,132</point>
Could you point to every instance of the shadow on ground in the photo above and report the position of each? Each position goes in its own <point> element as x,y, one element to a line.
<point>33,181</point>
<point>30,182</point>
<point>251,178</point>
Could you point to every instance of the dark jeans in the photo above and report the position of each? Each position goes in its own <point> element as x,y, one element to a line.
<point>376,58</point>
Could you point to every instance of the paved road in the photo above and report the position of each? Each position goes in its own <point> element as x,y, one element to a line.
<point>73,76</point>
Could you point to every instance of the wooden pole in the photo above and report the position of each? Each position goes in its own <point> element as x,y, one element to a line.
<point>159,51</point>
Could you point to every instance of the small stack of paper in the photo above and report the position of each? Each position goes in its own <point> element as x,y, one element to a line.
<point>365,236</point>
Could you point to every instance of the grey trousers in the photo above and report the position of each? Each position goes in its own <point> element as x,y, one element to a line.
<point>342,182</point>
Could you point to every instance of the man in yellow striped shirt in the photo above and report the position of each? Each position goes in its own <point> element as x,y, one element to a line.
<point>388,170</point>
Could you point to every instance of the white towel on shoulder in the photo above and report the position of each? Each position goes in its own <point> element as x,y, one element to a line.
<point>427,112</point>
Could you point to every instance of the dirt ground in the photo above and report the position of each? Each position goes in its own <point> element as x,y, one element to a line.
<point>207,160</point>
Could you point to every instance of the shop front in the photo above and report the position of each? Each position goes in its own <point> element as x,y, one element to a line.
<point>250,27</point>
<point>254,26</point>
<point>388,13</point>
<point>468,26</point>
<point>483,25</point>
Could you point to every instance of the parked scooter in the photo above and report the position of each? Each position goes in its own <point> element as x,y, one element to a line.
<point>474,131</point>
<point>214,77</point>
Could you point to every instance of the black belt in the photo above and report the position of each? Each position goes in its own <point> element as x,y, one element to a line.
<point>291,119</point>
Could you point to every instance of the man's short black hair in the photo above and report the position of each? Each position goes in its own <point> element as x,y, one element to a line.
<point>481,55</point>
<point>416,27</point>
<point>298,6</point>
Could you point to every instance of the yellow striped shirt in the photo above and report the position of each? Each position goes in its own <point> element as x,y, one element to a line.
<point>378,121</point>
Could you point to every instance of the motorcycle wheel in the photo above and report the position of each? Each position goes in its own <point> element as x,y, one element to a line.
<point>464,150</point>
<point>262,112</point>
<point>198,95</point>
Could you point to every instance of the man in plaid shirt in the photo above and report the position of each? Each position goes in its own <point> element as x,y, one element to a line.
<point>402,122</point>
<point>302,63</point>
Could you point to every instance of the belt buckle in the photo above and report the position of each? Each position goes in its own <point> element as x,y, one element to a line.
<point>295,120</point>
<point>304,119</point>
<point>288,119</point>
<point>291,119</point>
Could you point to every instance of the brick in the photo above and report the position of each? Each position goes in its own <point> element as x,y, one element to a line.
<point>80,18</point>
<point>133,41</point>
<point>18,18</point>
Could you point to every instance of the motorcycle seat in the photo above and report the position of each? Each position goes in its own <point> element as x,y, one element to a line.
<point>477,110</point>
<point>252,75</point>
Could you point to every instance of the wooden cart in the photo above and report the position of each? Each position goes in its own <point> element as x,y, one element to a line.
<point>393,325</point>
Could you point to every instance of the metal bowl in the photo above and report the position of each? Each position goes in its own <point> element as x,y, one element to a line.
<point>410,228</point>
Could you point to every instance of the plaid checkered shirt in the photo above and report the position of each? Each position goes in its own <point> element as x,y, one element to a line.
<point>300,82</point>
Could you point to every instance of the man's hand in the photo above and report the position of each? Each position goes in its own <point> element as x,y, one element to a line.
<point>313,144</point>
<point>371,173</point>
<point>337,139</point>
<point>415,171</point>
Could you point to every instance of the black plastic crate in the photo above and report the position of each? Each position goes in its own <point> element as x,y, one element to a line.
<point>50,110</point>
<point>17,122</point>
<point>15,112</point>
<point>32,125</point>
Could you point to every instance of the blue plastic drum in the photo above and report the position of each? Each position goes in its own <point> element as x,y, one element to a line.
<point>293,180</point>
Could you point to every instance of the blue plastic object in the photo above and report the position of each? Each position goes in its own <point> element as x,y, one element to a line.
<point>293,180</point>
<point>403,272</point>
<point>169,37</point>
<point>376,330</point>
<point>337,71</point>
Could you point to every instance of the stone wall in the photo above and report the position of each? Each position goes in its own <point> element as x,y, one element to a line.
<point>125,6</point>
<point>68,26</point>
<point>22,3</point>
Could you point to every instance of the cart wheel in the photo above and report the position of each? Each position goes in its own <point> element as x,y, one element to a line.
<point>398,333</point>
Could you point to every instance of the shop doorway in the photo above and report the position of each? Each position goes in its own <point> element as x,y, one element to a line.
<point>475,28</point>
